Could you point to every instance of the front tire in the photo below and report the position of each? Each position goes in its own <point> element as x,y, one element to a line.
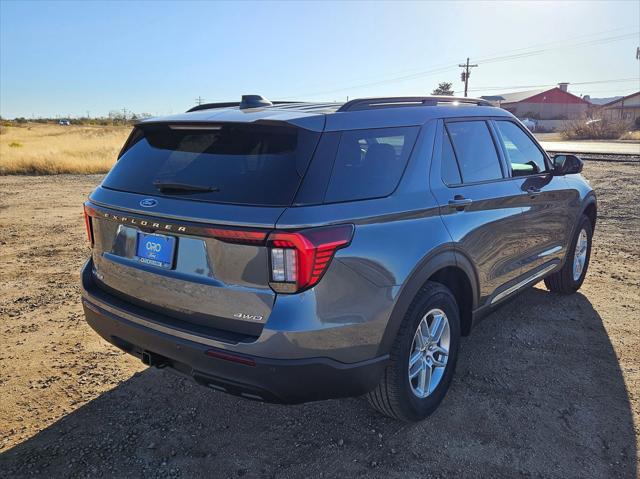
<point>423,357</point>
<point>570,277</point>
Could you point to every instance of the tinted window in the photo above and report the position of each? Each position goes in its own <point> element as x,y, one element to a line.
<point>475,151</point>
<point>242,164</point>
<point>450,171</point>
<point>522,153</point>
<point>369,163</point>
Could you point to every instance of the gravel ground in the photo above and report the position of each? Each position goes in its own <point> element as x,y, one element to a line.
<point>547,386</point>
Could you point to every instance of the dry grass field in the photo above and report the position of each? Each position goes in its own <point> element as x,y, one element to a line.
<point>37,149</point>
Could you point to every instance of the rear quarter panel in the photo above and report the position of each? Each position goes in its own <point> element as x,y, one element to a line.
<point>392,236</point>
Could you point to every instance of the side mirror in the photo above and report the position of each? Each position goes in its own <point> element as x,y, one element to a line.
<point>567,165</point>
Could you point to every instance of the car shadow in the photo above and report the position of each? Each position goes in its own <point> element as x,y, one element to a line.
<point>538,392</point>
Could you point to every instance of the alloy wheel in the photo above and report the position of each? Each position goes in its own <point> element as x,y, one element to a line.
<point>580,255</point>
<point>429,353</point>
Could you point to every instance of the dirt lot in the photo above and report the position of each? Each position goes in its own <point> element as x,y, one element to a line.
<point>547,386</point>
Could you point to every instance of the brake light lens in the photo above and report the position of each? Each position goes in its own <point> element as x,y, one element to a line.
<point>88,225</point>
<point>238,236</point>
<point>299,259</point>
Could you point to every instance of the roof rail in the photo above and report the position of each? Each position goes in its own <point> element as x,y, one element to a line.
<point>399,101</point>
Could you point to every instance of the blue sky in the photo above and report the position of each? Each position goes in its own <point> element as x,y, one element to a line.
<point>67,58</point>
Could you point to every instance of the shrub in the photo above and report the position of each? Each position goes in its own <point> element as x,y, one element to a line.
<point>631,135</point>
<point>594,130</point>
<point>15,144</point>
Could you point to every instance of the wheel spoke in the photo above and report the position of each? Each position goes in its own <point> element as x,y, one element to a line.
<point>426,387</point>
<point>416,368</point>
<point>423,331</point>
<point>422,380</point>
<point>437,327</point>
<point>414,359</point>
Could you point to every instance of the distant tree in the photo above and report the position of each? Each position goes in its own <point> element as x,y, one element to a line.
<point>444,88</point>
<point>116,116</point>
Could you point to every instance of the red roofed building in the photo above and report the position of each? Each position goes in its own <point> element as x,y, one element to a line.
<point>545,104</point>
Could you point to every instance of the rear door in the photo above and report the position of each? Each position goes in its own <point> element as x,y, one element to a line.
<point>544,198</point>
<point>478,205</point>
<point>180,222</point>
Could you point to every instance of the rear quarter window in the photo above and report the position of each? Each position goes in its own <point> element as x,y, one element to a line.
<point>369,163</point>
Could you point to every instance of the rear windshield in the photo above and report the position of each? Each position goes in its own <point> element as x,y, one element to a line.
<point>227,163</point>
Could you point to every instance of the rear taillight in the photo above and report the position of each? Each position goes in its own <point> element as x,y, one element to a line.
<point>299,259</point>
<point>88,225</point>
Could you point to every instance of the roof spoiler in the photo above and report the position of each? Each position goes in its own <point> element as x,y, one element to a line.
<point>248,101</point>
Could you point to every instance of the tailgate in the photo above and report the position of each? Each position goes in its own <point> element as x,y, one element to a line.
<point>206,277</point>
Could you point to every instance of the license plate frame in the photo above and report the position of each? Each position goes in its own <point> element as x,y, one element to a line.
<point>156,249</point>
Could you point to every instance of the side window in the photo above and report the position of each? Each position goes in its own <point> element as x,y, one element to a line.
<point>369,163</point>
<point>449,167</point>
<point>522,154</point>
<point>475,151</point>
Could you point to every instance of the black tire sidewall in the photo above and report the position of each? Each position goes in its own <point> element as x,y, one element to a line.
<point>415,407</point>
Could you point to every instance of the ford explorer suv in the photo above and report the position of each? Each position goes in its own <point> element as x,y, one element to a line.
<point>292,252</point>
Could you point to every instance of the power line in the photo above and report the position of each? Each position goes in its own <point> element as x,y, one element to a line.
<point>410,73</point>
<point>506,56</point>
<point>199,100</point>
<point>514,87</point>
<point>517,56</point>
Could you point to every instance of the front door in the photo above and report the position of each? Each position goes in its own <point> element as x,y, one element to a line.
<point>544,198</point>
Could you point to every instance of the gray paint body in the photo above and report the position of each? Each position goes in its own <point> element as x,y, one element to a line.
<point>399,241</point>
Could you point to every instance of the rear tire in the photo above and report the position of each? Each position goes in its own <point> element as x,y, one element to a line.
<point>398,395</point>
<point>570,277</point>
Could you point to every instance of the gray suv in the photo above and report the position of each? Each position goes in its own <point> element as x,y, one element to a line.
<point>291,252</point>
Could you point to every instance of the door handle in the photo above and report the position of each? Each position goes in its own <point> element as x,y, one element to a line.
<point>459,202</point>
<point>532,191</point>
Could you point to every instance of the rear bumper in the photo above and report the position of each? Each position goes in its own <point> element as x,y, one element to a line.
<point>272,380</point>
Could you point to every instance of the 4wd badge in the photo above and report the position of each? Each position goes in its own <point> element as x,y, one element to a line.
<point>252,317</point>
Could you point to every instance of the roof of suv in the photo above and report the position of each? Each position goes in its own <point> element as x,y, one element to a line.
<point>355,114</point>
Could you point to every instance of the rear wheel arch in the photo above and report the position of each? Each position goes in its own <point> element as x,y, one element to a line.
<point>459,283</point>
<point>447,268</point>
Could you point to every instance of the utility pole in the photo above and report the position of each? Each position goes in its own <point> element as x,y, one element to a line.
<point>124,116</point>
<point>199,100</point>
<point>464,76</point>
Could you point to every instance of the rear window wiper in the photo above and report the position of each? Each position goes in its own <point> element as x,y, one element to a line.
<point>168,186</point>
